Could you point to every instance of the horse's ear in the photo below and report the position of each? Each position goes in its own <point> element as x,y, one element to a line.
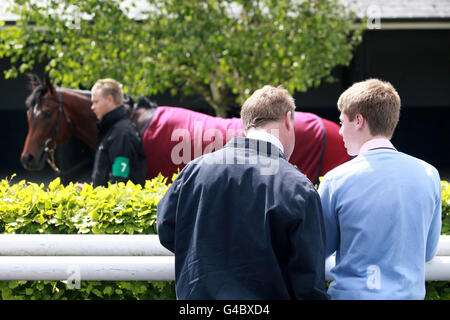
<point>145,102</point>
<point>48,84</point>
<point>34,81</point>
<point>128,99</point>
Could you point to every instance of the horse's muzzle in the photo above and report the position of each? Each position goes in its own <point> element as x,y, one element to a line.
<point>32,163</point>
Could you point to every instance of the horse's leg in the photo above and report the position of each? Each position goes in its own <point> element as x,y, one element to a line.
<point>335,152</point>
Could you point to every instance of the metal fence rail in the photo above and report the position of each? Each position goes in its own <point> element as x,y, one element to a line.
<point>120,258</point>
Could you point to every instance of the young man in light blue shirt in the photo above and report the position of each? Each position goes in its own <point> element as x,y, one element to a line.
<point>382,209</point>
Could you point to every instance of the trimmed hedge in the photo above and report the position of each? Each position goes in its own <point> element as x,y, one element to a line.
<point>440,290</point>
<point>445,187</point>
<point>119,208</point>
<point>29,208</point>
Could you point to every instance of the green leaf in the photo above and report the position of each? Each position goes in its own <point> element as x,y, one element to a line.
<point>108,291</point>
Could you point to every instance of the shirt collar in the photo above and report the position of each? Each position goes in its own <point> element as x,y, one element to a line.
<point>377,143</point>
<point>265,136</point>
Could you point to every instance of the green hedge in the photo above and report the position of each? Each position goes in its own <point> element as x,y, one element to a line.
<point>29,208</point>
<point>440,290</point>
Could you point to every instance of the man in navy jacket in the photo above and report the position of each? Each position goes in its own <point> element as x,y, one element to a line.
<point>120,155</point>
<point>242,221</point>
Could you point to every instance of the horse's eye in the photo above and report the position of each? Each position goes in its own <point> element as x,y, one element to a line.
<point>47,114</point>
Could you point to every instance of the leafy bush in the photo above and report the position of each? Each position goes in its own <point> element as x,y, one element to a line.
<point>119,208</point>
<point>29,208</point>
<point>445,207</point>
<point>440,290</point>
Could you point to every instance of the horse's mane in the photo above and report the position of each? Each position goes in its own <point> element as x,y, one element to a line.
<point>146,103</point>
<point>39,89</point>
<point>86,93</point>
<point>142,102</point>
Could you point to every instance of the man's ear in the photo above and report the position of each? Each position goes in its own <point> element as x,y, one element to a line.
<point>288,120</point>
<point>360,121</point>
<point>110,99</point>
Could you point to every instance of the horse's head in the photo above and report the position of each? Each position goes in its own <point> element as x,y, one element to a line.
<point>139,112</point>
<point>48,124</point>
<point>128,103</point>
<point>142,102</point>
<point>146,103</point>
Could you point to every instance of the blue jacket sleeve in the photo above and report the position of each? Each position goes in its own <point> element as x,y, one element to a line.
<point>307,262</point>
<point>166,216</point>
<point>331,221</point>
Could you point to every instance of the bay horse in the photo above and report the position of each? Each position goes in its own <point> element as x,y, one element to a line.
<point>55,115</point>
<point>171,136</point>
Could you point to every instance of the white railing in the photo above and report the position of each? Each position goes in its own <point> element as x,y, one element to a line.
<point>84,257</point>
<point>119,257</point>
<point>438,269</point>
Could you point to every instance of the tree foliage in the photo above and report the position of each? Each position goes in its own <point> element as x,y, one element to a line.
<point>219,50</point>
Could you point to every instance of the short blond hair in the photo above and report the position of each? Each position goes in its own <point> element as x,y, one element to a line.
<point>265,105</point>
<point>377,101</point>
<point>110,87</point>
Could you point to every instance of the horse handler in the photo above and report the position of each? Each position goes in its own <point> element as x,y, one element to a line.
<point>120,155</point>
<point>243,222</point>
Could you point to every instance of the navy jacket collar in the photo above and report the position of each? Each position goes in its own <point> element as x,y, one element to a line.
<point>110,119</point>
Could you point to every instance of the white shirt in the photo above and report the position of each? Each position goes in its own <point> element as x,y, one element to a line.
<point>376,144</point>
<point>265,136</point>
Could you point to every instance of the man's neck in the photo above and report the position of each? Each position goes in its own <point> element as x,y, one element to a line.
<point>265,135</point>
<point>377,143</point>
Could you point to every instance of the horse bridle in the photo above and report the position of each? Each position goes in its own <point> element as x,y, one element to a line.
<point>50,150</point>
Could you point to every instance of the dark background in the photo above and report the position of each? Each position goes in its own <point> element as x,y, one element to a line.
<point>416,62</point>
